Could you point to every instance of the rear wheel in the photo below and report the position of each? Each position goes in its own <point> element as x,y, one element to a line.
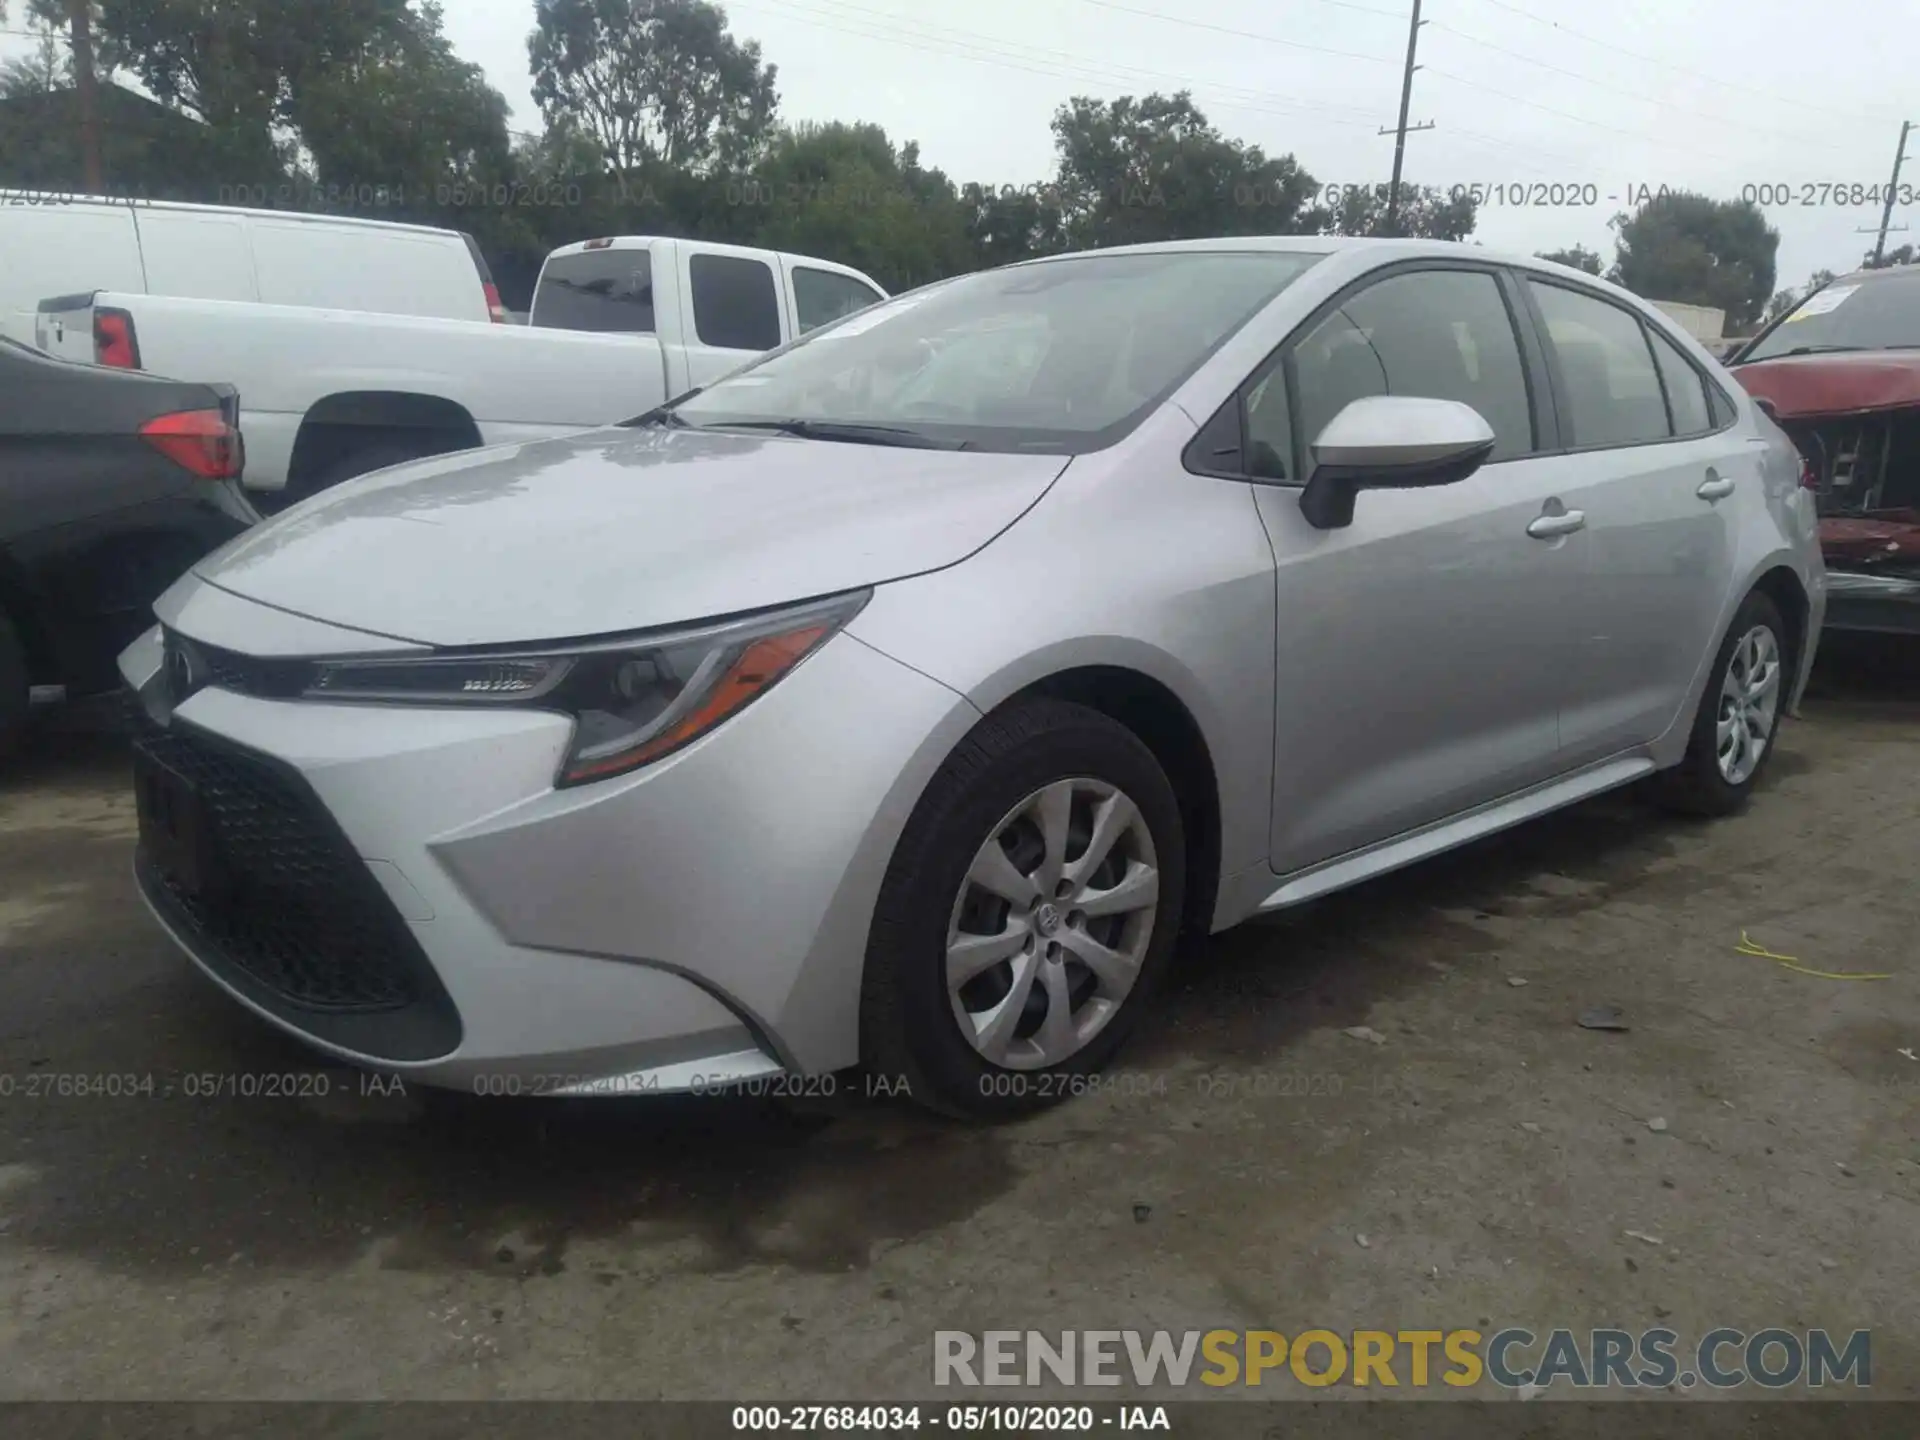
<point>15,688</point>
<point>1030,910</point>
<point>1739,716</point>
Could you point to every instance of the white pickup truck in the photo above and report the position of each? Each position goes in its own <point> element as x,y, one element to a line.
<point>617,326</point>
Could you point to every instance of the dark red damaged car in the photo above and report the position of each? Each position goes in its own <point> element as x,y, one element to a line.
<point>1840,373</point>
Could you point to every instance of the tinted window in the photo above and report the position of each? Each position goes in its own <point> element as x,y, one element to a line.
<point>1438,334</point>
<point>1061,356</point>
<point>1879,313</point>
<point>1612,393</point>
<point>734,305</point>
<point>1686,390</point>
<point>821,295</point>
<point>606,290</point>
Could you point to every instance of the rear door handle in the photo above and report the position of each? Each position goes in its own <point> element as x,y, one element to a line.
<point>1552,527</point>
<point>1714,487</point>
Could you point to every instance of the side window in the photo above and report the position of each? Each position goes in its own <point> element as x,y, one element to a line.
<point>734,303</point>
<point>603,290</point>
<point>1612,390</point>
<point>1686,388</point>
<point>1438,334</point>
<point>1269,429</point>
<point>820,296</point>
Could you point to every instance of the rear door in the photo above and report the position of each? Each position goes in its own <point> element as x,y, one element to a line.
<point>1651,457</point>
<point>1420,660</point>
<point>56,245</point>
<point>734,307</point>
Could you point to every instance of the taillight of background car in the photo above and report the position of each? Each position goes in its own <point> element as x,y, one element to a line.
<point>201,440</point>
<point>1809,474</point>
<point>496,312</point>
<point>114,341</point>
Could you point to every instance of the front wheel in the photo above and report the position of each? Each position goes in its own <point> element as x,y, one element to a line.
<point>1739,716</point>
<point>1031,907</point>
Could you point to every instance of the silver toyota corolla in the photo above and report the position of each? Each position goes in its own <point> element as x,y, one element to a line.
<point>903,696</point>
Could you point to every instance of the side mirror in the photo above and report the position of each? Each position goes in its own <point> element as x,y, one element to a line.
<point>1391,442</point>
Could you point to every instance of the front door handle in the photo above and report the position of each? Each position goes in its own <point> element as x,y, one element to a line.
<point>1552,527</point>
<point>1714,487</point>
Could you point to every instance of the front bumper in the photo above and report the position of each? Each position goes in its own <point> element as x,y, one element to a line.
<point>1873,604</point>
<point>700,922</point>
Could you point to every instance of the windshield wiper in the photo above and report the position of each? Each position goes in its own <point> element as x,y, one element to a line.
<point>851,432</point>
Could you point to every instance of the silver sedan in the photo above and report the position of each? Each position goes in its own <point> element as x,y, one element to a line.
<point>903,697</point>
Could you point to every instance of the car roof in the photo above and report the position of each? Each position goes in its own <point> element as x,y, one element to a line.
<point>1327,245</point>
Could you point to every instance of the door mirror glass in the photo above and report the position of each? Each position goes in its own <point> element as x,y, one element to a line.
<point>1391,442</point>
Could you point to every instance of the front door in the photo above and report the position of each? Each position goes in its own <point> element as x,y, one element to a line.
<point>1422,650</point>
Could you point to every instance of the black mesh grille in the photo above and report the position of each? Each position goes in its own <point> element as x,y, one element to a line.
<point>298,911</point>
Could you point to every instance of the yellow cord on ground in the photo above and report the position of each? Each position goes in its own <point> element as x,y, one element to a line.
<point>1747,947</point>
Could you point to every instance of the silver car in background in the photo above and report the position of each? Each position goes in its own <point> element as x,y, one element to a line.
<point>901,698</point>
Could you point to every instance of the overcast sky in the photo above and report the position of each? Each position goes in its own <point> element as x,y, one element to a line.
<point>1714,95</point>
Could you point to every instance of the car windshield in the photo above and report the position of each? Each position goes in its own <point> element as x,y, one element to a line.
<point>1063,356</point>
<point>1882,313</point>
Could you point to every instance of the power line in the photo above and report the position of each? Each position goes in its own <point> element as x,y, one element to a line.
<point>992,52</point>
<point>1581,35</point>
<point>1244,34</point>
<point>1746,125</point>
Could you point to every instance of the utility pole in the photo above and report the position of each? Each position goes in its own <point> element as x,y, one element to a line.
<point>1400,130</point>
<point>1886,212</point>
<point>81,25</point>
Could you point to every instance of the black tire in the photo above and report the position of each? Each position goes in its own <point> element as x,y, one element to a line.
<point>908,1028</point>
<point>15,689</point>
<point>1695,786</point>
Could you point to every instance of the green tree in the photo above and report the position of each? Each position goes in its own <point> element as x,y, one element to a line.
<point>245,67</point>
<point>1009,223</point>
<point>1155,168</point>
<point>1578,257</point>
<point>652,81</point>
<point>405,113</point>
<point>1424,211</point>
<point>1899,255</point>
<point>1699,251</point>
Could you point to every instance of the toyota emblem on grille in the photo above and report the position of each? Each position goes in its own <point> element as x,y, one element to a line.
<point>183,675</point>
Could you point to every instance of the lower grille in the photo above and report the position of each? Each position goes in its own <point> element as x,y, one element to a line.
<point>297,922</point>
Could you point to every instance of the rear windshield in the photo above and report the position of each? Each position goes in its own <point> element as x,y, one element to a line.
<point>606,290</point>
<point>1878,314</point>
<point>1060,356</point>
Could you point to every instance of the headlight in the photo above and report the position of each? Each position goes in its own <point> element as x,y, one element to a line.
<point>632,701</point>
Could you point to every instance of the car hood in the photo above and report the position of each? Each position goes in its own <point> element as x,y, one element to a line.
<point>1804,386</point>
<point>618,530</point>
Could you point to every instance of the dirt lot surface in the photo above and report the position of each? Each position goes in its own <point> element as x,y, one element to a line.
<point>1483,1162</point>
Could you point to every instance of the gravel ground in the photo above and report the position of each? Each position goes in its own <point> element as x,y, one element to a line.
<point>1477,1160</point>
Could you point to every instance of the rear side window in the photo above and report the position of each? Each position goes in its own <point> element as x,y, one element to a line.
<point>821,296</point>
<point>1686,388</point>
<point>734,304</point>
<point>602,290</point>
<point>1611,390</point>
<point>1439,334</point>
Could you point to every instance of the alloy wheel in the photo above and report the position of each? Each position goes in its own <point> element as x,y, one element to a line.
<point>1052,923</point>
<point>1749,705</point>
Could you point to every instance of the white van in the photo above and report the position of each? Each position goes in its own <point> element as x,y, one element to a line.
<point>61,245</point>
